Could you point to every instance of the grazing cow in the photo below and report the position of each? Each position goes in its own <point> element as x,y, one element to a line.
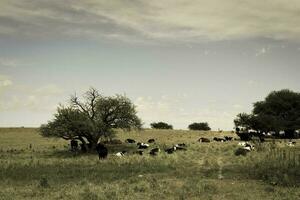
<point>121,154</point>
<point>244,136</point>
<point>170,150</point>
<point>102,151</point>
<point>130,141</point>
<point>227,138</point>
<point>154,151</point>
<point>74,145</point>
<point>203,140</point>
<point>151,140</point>
<point>142,145</point>
<point>219,139</point>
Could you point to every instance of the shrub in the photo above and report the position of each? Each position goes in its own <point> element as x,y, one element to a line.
<point>161,125</point>
<point>202,126</point>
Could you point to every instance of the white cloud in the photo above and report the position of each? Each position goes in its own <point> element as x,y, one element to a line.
<point>48,90</point>
<point>156,20</point>
<point>6,62</point>
<point>4,82</point>
<point>33,99</point>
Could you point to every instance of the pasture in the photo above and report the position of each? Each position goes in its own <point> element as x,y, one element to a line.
<point>33,167</point>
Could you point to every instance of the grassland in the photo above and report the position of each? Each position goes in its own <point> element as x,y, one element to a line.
<point>32,167</point>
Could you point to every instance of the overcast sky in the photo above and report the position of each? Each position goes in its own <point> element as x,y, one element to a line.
<point>179,61</point>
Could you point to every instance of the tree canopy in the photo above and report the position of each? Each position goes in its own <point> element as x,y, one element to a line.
<point>202,126</point>
<point>92,119</point>
<point>279,111</point>
<point>161,125</point>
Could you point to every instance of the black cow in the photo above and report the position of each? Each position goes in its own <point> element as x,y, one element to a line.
<point>151,140</point>
<point>102,151</point>
<point>130,141</point>
<point>227,138</point>
<point>203,140</point>
<point>241,151</point>
<point>154,151</point>
<point>170,150</point>
<point>74,145</point>
<point>219,139</point>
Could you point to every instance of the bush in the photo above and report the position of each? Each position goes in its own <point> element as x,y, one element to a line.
<point>161,125</point>
<point>202,126</point>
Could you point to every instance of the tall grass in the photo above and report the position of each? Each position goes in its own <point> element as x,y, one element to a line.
<point>276,165</point>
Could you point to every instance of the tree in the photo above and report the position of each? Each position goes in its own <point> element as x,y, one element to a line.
<point>202,126</point>
<point>161,125</point>
<point>92,120</point>
<point>279,111</point>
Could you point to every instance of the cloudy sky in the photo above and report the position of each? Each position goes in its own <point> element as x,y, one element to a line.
<point>179,61</point>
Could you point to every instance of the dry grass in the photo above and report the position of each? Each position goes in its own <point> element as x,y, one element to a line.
<point>206,171</point>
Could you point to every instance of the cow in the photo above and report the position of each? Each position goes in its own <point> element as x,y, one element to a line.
<point>151,140</point>
<point>246,146</point>
<point>228,138</point>
<point>130,140</point>
<point>121,154</point>
<point>74,145</point>
<point>142,145</point>
<point>170,150</point>
<point>102,151</point>
<point>219,139</point>
<point>181,145</point>
<point>178,148</point>
<point>241,151</point>
<point>154,151</point>
<point>291,144</point>
<point>203,140</point>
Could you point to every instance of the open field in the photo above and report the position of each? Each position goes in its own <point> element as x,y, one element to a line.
<point>48,170</point>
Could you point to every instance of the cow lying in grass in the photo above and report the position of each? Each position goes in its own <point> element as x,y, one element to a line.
<point>244,148</point>
<point>142,145</point>
<point>130,141</point>
<point>121,154</point>
<point>203,140</point>
<point>154,151</point>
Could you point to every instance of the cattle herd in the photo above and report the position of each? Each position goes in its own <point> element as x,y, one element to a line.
<point>145,148</point>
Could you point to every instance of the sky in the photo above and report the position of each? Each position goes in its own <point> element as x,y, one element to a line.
<point>179,61</point>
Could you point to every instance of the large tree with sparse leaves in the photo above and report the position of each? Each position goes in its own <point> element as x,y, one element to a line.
<point>92,119</point>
